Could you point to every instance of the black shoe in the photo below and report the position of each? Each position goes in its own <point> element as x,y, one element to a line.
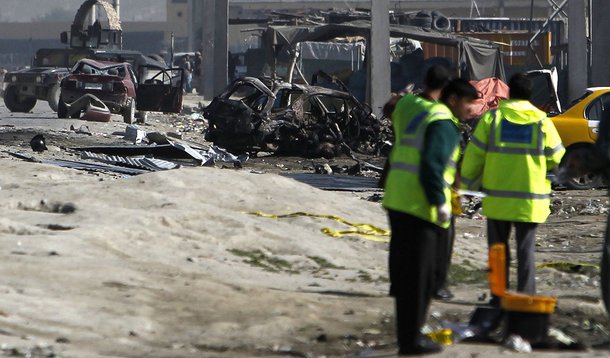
<point>442,294</point>
<point>424,346</point>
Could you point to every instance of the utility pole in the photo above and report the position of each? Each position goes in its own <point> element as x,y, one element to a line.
<point>577,49</point>
<point>379,82</point>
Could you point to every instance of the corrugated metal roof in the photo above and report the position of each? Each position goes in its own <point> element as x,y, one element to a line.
<point>151,164</point>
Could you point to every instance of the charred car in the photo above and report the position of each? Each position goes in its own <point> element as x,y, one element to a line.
<point>116,85</point>
<point>255,114</point>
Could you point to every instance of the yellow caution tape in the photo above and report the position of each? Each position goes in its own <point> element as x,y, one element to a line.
<point>567,266</point>
<point>366,231</point>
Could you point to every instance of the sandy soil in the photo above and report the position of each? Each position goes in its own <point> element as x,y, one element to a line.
<point>169,264</point>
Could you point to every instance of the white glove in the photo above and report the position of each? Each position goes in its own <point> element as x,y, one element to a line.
<point>443,213</point>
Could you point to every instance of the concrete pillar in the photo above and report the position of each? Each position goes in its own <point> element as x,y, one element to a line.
<point>600,69</point>
<point>221,46</point>
<point>379,56</point>
<point>577,49</point>
<point>215,15</point>
<point>190,32</point>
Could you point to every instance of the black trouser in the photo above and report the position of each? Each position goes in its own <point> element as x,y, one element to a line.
<point>525,234</point>
<point>412,263</point>
<point>443,258</point>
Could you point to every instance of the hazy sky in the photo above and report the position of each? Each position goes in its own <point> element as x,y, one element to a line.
<point>28,10</point>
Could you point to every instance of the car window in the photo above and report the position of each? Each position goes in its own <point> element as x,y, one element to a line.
<point>333,104</point>
<point>250,95</point>
<point>284,98</point>
<point>598,108</point>
<point>579,99</point>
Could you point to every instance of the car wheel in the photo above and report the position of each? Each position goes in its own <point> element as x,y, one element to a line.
<point>587,181</point>
<point>16,104</point>
<point>53,97</point>
<point>129,112</point>
<point>62,109</point>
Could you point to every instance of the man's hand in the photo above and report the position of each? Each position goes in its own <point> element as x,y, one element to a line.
<point>443,213</point>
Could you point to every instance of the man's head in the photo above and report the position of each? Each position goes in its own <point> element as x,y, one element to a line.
<point>436,79</point>
<point>520,87</point>
<point>459,96</point>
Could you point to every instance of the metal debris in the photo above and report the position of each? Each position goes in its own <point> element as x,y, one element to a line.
<point>133,162</point>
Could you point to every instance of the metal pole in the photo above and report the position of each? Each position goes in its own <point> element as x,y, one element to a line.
<point>379,56</point>
<point>171,49</point>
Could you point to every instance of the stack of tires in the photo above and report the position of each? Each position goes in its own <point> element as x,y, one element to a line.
<point>434,20</point>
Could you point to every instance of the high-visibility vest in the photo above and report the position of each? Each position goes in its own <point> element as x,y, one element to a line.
<point>511,165</point>
<point>403,190</point>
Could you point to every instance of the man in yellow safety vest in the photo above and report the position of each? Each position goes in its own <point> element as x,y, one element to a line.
<point>417,197</point>
<point>508,157</point>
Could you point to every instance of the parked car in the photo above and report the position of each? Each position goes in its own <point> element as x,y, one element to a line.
<point>578,128</point>
<point>117,86</point>
<point>260,114</point>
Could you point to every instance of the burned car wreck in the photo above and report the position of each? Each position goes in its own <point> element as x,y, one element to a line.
<point>255,114</point>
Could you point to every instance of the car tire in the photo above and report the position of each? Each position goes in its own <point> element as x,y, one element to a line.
<point>62,109</point>
<point>15,104</point>
<point>587,181</point>
<point>53,97</point>
<point>129,112</point>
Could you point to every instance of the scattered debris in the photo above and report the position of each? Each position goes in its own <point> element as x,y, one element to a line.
<point>134,134</point>
<point>83,129</point>
<point>93,109</point>
<point>151,164</point>
<point>517,344</point>
<point>38,143</point>
<point>323,169</point>
<point>336,182</point>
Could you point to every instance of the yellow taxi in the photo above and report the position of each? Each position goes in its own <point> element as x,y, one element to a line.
<point>578,128</point>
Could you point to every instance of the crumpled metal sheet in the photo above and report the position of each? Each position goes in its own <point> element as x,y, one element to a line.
<point>151,164</point>
<point>217,154</point>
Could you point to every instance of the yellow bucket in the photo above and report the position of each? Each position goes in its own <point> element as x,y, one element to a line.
<point>530,304</point>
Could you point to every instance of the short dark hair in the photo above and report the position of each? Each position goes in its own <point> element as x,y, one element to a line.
<point>460,88</point>
<point>437,77</point>
<point>520,87</point>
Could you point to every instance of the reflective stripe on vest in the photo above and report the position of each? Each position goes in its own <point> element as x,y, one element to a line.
<point>468,182</point>
<point>515,194</point>
<point>414,169</point>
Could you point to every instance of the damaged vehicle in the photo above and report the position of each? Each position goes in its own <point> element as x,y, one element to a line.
<point>116,86</point>
<point>255,114</point>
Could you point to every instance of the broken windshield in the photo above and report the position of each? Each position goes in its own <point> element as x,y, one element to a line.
<point>89,69</point>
